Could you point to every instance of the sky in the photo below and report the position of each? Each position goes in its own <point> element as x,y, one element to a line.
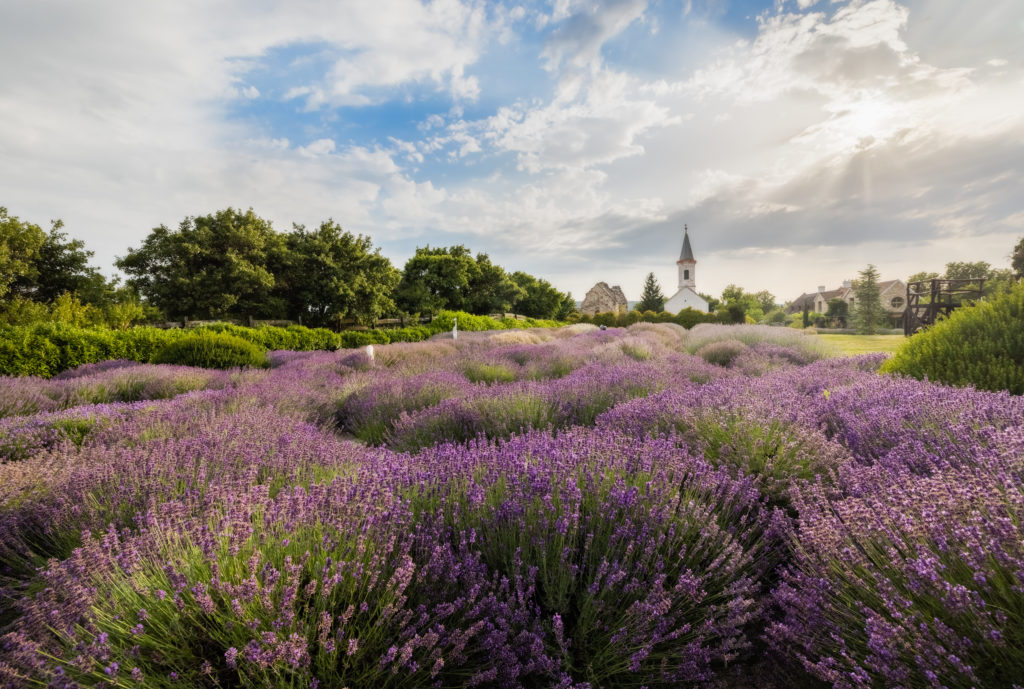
<point>800,140</point>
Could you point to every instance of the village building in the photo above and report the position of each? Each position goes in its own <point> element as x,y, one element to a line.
<point>686,297</point>
<point>893,295</point>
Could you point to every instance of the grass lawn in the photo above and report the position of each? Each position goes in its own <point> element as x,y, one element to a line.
<point>849,345</point>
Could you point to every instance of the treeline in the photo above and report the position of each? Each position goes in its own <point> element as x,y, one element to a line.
<point>233,265</point>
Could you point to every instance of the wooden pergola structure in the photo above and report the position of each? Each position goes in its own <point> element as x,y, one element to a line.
<point>928,299</point>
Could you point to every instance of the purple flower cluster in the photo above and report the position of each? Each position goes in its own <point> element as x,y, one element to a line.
<point>574,508</point>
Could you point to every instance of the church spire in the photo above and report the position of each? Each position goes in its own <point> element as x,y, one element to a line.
<point>687,253</point>
<point>687,263</point>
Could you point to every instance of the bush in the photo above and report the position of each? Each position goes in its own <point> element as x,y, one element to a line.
<point>980,346</point>
<point>721,352</point>
<point>212,350</point>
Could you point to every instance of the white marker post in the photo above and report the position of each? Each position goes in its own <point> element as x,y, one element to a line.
<point>455,329</point>
<point>369,352</point>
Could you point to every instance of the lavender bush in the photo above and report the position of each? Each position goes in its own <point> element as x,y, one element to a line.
<point>574,508</point>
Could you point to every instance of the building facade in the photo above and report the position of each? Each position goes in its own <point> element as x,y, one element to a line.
<point>893,295</point>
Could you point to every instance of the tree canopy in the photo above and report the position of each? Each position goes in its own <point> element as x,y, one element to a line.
<point>233,264</point>
<point>438,278</point>
<point>328,274</point>
<point>540,299</point>
<point>19,250</point>
<point>211,266</point>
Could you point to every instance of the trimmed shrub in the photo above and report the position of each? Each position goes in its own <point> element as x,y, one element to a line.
<point>980,346</point>
<point>212,350</point>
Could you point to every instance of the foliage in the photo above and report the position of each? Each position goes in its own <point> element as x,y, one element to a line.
<point>868,314</point>
<point>837,313</point>
<point>652,298</point>
<point>211,266</point>
<point>997,280</point>
<point>19,250</point>
<point>980,346</point>
<point>450,278</point>
<point>1017,259</point>
<point>733,314</point>
<point>753,305</point>
<point>61,266</point>
<point>491,289</point>
<point>211,350</point>
<point>540,299</point>
<point>328,274</point>
<point>45,348</point>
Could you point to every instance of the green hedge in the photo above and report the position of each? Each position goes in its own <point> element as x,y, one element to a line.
<point>212,350</point>
<point>980,345</point>
<point>46,349</point>
<point>686,318</point>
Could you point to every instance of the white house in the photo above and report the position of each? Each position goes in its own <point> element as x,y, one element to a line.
<point>686,297</point>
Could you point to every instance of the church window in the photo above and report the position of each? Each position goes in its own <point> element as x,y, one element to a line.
<point>897,302</point>
<point>686,275</point>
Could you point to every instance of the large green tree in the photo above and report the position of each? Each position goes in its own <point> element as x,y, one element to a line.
<point>540,299</point>
<point>734,295</point>
<point>491,289</point>
<point>211,266</point>
<point>651,299</point>
<point>868,314</point>
<point>438,278</point>
<point>328,274</point>
<point>1017,259</point>
<point>19,250</point>
<point>62,266</point>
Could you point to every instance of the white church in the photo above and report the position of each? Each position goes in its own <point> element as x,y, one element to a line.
<point>686,296</point>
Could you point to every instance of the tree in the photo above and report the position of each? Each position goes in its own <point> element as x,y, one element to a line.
<point>450,278</point>
<point>20,243</point>
<point>211,266</point>
<point>62,266</point>
<point>735,295</point>
<point>540,299</point>
<point>837,313</point>
<point>652,299</point>
<point>434,279</point>
<point>868,312</point>
<point>491,289</point>
<point>1017,259</point>
<point>766,300</point>
<point>566,308</point>
<point>328,274</point>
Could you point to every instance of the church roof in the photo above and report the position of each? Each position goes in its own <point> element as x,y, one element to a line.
<point>687,253</point>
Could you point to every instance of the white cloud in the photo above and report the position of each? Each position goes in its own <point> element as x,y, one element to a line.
<point>827,135</point>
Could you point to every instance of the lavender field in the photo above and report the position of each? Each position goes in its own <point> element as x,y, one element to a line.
<point>571,508</point>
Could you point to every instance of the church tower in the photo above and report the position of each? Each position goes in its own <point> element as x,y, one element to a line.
<point>687,263</point>
<point>686,297</point>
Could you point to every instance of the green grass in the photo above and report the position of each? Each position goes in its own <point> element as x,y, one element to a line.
<point>851,345</point>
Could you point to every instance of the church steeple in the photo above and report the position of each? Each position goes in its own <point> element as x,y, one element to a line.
<point>687,253</point>
<point>687,263</point>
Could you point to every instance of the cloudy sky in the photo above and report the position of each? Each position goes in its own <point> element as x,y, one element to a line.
<point>572,139</point>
